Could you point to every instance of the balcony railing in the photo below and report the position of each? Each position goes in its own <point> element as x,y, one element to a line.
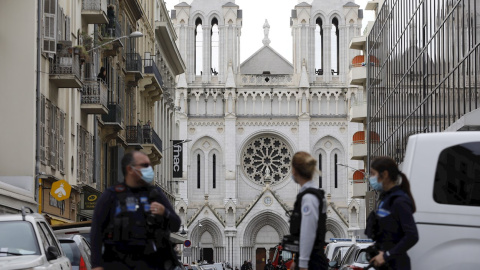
<point>94,92</point>
<point>65,71</point>
<point>134,62</point>
<point>143,135</point>
<point>99,5</point>
<point>94,11</point>
<point>115,114</point>
<point>111,30</point>
<point>151,68</point>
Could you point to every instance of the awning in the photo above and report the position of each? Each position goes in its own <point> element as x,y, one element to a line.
<point>56,220</point>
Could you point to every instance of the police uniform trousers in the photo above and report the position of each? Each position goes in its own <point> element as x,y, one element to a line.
<point>115,260</point>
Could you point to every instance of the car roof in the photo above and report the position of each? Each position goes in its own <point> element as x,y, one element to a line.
<point>31,217</point>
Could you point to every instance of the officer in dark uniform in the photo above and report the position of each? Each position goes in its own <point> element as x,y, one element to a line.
<point>133,221</point>
<point>392,225</point>
<point>309,215</point>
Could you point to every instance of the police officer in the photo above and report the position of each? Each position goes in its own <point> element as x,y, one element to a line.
<point>309,215</point>
<point>392,225</point>
<point>132,220</point>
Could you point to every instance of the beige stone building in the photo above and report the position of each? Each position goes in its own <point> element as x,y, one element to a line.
<point>61,118</point>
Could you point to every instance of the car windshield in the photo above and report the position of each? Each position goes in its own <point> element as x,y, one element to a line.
<point>18,238</point>
<point>72,251</point>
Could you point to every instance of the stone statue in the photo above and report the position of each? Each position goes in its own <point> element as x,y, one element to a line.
<point>266,29</point>
<point>267,172</point>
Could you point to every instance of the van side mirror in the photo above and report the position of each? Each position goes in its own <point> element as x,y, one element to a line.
<point>52,253</point>
<point>333,264</point>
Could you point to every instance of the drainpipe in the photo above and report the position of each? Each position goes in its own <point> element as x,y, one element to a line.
<point>38,96</point>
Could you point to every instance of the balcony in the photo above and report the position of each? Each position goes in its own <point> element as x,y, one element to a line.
<point>358,112</point>
<point>110,32</point>
<point>358,150</point>
<point>359,189</point>
<point>65,71</point>
<point>152,81</point>
<point>114,117</point>
<point>94,11</point>
<point>372,5</point>
<point>145,139</point>
<point>358,43</point>
<point>133,67</point>
<point>94,97</point>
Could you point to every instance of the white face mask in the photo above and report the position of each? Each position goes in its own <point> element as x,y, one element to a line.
<point>147,174</point>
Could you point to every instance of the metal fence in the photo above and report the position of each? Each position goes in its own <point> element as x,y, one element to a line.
<point>94,5</point>
<point>134,62</point>
<point>423,73</point>
<point>94,92</point>
<point>65,65</point>
<point>151,67</point>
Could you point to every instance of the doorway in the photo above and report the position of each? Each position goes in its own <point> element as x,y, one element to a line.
<point>261,253</point>
<point>208,254</point>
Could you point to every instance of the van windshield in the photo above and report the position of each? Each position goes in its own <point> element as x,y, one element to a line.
<point>18,238</point>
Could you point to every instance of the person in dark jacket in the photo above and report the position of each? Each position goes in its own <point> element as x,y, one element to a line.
<point>102,75</point>
<point>269,265</point>
<point>245,266</point>
<point>132,221</point>
<point>392,225</point>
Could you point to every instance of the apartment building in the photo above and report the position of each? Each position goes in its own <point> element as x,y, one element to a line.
<point>92,82</point>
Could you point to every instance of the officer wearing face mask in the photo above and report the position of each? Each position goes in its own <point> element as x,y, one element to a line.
<point>130,220</point>
<point>391,225</point>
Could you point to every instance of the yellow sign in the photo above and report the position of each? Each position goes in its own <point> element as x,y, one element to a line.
<point>60,190</point>
<point>92,198</point>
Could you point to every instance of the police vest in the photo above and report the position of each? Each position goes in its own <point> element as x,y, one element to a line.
<point>128,221</point>
<point>296,218</point>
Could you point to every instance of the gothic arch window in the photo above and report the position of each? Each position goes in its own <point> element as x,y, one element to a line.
<point>214,171</point>
<point>336,170</point>
<point>198,46</point>
<point>214,48</point>
<point>320,169</point>
<point>319,47</point>
<point>335,56</point>
<point>199,178</point>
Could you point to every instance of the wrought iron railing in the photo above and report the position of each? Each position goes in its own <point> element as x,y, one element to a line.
<point>111,30</point>
<point>65,65</point>
<point>134,134</point>
<point>151,68</point>
<point>134,62</point>
<point>94,5</point>
<point>156,140</point>
<point>94,92</point>
<point>115,114</point>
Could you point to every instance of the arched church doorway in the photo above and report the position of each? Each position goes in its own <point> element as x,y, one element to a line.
<point>266,240</point>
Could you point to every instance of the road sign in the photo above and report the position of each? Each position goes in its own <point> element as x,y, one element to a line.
<point>60,190</point>
<point>187,243</point>
<point>187,252</point>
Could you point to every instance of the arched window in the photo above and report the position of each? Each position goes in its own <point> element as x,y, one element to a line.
<point>198,171</point>
<point>319,47</point>
<point>198,47</point>
<point>320,169</point>
<point>214,49</point>
<point>335,56</point>
<point>214,171</point>
<point>336,171</point>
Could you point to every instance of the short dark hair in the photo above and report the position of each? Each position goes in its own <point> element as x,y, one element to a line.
<point>127,160</point>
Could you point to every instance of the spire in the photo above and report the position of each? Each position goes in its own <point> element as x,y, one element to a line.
<point>266,29</point>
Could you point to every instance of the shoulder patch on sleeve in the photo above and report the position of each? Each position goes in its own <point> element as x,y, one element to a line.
<point>306,210</point>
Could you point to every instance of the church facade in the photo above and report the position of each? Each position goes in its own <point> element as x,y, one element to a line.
<point>246,119</point>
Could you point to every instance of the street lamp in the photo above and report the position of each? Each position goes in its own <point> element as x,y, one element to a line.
<point>135,34</point>
<point>357,170</point>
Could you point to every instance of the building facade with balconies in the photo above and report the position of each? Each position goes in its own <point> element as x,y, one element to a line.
<point>86,120</point>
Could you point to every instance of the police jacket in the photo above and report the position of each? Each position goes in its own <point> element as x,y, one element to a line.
<point>397,231</point>
<point>309,215</point>
<point>122,219</point>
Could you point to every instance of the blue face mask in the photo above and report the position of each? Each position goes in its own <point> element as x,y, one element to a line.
<point>147,174</point>
<point>375,184</point>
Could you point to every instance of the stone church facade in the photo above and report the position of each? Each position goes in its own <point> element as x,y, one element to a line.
<point>246,119</point>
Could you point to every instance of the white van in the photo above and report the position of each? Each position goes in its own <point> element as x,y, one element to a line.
<point>444,173</point>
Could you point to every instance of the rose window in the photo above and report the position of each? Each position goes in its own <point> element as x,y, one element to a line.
<point>266,156</point>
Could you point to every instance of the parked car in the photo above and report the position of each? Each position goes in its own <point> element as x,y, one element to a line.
<point>77,250</point>
<point>335,245</point>
<point>82,228</point>
<point>338,256</point>
<point>27,242</point>
<point>355,258</point>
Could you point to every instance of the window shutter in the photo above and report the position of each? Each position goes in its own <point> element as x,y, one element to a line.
<point>53,136</point>
<point>60,24</point>
<point>42,130</point>
<point>47,132</point>
<point>67,28</point>
<point>49,25</point>
<point>61,142</point>
<point>79,152</point>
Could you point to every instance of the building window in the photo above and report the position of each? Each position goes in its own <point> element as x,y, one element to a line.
<point>58,204</point>
<point>320,169</point>
<point>214,49</point>
<point>198,171</point>
<point>84,155</point>
<point>336,171</point>
<point>214,176</point>
<point>42,130</point>
<point>198,47</point>
<point>335,56</point>
<point>319,47</point>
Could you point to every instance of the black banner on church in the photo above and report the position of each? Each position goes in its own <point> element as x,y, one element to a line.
<point>177,158</point>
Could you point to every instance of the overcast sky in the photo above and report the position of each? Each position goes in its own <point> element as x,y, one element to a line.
<point>254,16</point>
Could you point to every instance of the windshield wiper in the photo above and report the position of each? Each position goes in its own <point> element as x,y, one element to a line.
<point>10,253</point>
